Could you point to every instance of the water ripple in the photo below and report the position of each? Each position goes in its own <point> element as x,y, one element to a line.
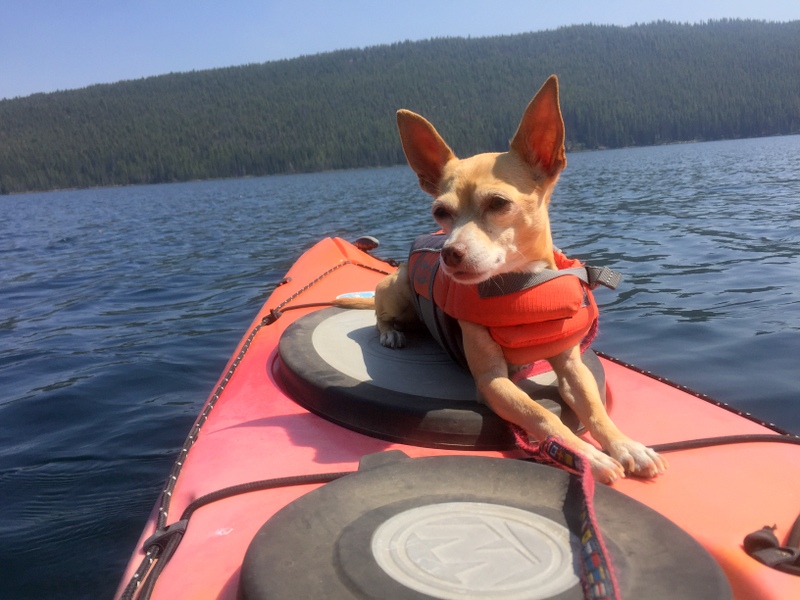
<point>120,307</point>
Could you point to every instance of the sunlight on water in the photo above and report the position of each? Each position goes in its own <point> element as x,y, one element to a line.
<point>119,308</point>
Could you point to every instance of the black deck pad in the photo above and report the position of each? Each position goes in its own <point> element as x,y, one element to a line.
<point>332,363</point>
<point>455,527</point>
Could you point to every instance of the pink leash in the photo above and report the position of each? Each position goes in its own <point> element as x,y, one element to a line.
<point>598,579</point>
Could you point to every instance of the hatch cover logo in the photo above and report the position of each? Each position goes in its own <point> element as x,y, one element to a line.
<point>450,549</point>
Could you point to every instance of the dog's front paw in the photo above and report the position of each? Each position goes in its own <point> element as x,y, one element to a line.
<point>393,339</point>
<point>605,468</point>
<point>637,458</point>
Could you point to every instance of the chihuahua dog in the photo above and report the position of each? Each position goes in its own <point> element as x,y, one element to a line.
<point>493,210</point>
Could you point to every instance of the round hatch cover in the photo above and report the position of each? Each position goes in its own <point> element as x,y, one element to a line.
<point>466,527</point>
<point>333,364</point>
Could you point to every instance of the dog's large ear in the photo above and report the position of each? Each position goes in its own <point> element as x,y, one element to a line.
<point>540,137</point>
<point>426,151</point>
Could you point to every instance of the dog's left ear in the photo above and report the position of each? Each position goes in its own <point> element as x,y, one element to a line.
<point>540,137</point>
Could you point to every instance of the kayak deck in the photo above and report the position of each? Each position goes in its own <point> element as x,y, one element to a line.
<point>252,430</point>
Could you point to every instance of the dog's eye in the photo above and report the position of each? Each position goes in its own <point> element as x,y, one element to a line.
<point>441,213</point>
<point>497,204</point>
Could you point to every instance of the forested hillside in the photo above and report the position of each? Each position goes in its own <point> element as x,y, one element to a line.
<point>639,85</point>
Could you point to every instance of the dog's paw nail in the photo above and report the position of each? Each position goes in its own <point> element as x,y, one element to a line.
<point>638,459</point>
<point>393,339</point>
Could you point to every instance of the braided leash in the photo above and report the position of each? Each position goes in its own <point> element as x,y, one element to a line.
<point>597,573</point>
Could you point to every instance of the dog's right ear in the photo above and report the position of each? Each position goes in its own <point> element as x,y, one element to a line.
<point>539,141</point>
<point>426,151</point>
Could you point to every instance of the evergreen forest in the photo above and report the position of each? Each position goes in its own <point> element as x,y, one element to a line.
<point>620,86</point>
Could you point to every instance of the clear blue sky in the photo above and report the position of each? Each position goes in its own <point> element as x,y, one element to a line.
<point>47,45</point>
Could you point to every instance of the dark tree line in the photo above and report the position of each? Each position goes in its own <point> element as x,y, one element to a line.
<point>631,86</point>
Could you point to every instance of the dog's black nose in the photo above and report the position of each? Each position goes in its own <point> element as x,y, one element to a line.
<point>453,254</point>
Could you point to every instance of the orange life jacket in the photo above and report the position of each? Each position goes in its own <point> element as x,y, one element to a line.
<point>531,316</point>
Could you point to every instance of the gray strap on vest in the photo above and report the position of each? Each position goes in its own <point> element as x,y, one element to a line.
<point>602,276</point>
<point>508,283</point>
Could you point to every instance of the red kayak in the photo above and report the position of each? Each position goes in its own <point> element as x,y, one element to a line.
<point>324,465</point>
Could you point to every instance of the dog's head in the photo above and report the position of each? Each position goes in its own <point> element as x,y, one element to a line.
<point>493,207</point>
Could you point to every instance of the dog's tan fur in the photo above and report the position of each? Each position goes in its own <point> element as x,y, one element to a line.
<point>493,208</point>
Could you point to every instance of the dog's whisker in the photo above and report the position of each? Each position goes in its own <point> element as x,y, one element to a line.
<point>497,284</point>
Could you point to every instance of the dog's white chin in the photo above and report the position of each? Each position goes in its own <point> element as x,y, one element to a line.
<point>468,279</point>
<point>465,276</point>
<point>536,266</point>
<point>472,277</point>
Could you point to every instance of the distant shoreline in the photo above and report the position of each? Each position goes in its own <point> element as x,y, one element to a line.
<point>621,87</point>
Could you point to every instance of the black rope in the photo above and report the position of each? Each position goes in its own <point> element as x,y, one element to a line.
<point>163,544</point>
<point>166,542</point>
<point>163,558</point>
<point>147,574</point>
<point>725,440</point>
<point>144,576</point>
<point>260,486</point>
<point>169,540</point>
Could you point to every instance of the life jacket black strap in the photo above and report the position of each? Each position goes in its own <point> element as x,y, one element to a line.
<point>508,283</point>
<point>602,276</point>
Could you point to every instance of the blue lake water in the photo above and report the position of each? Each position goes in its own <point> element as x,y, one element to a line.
<point>120,307</point>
